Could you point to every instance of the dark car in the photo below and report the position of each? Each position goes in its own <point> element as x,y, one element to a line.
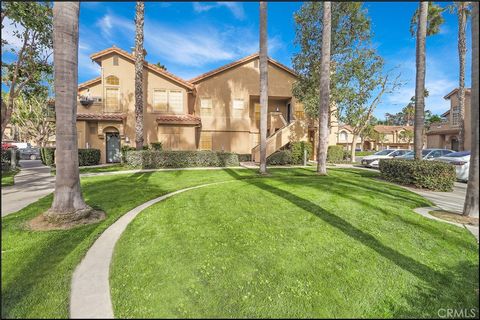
<point>29,154</point>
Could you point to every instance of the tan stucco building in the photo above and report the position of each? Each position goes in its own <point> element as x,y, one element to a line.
<point>444,134</point>
<point>389,137</point>
<point>218,110</point>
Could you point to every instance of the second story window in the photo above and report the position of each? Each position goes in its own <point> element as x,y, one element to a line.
<point>205,106</point>
<point>343,136</point>
<point>112,100</point>
<point>455,116</point>
<point>167,101</point>
<point>113,81</point>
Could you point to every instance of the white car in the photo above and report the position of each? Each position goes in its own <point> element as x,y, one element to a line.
<point>461,160</point>
<point>373,160</point>
<point>427,154</point>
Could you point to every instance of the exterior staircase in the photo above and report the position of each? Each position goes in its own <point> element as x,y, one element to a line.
<point>297,130</point>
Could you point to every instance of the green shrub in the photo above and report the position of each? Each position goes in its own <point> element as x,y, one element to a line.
<point>364,153</point>
<point>152,159</point>
<point>88,157</point>
<point>432,175</point>
<point>244,157</point>
<point>7,158</point>
<point>145,147</point>
<point>335,154</point>
<point>298,148</point>
<point>156,146</point>
<point>124,150</point>
<point>42,156</point>
<point>281,157</point>
<point>48,156</point>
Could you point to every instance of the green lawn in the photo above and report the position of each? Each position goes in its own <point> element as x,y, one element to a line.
<point>7,177</point>
<point>289,244</point>
<point>292,246</point>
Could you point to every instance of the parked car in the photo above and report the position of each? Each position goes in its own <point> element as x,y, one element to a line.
<point>22,145</point>
<point>373,160</point>
<point>461,160</point>
<point>428,154</point>
<point>29,153</point>
<point>6,145</point>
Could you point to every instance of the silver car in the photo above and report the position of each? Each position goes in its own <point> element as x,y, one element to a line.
<point>427,154</point>
<point>461,160</point>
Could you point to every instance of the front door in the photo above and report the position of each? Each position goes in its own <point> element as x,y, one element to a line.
<point>455,144</point>
<point>113,147</point>
<point>289,112</point>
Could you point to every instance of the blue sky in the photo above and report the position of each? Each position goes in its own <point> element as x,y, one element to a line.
<point>192,38</point>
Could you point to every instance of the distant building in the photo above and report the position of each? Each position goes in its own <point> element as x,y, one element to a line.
<point>388,137</point>
<point>445,134</point>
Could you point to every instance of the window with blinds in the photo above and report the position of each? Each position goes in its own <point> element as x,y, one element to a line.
<point>167,101</point>
<point>257,107</point>
<point>205,106</point>
<point>112,80</point>
<point>205,141</point>
<point>160,100</point>
<point>112,100</point>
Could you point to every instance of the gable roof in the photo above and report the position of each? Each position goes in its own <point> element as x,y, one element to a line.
<point>388,129</point>
<point>89,82</point>
<point>240,62</point>
<point>454,91</point>
<point>150,66</point>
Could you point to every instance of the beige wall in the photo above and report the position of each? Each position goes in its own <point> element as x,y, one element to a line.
<point>454,101</point>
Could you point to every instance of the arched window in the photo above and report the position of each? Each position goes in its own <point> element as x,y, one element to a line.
<point>112,80</point>
<point>343,136</point>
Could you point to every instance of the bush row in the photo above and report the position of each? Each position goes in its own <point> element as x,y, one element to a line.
<point>152,159</point>
<point>292,155</point>
<point>7,157</point>
<point>432,175</point>
<point>86,157</point>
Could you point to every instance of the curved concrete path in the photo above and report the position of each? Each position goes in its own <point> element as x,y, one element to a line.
<point>90,292</point>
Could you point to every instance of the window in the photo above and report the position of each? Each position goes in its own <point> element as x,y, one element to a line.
<point>257,107</point>
<point>112,100</point>
<point>343,136</point>
<point>113,81</point>
<point>238,104</point>
<point>115,60</point>
<point>175,101</point>
<point>205,106</point>
<point>205,141</point>
<point>160,100</point>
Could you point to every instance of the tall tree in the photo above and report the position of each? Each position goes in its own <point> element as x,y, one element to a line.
<point>420,80</point>
<point>463,10</point>
<point>68,204</point>
<point>263,87</point>
<point>324,107</point>
<point>471,199</point>
<point>139,59</point>
<point>427,20</point>
<point>33,33</point>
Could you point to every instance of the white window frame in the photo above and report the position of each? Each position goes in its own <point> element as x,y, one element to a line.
<point>236,102</point>
<point>154,102</point>
<point>169,94</point>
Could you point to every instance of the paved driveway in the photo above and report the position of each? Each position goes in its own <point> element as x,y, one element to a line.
<point>33,182</point>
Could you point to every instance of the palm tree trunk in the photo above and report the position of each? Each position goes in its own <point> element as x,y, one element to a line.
<point>324,107</point>
<point>139,59</point>
<point>462,50</point>
<point>420,80</point>
<point>471,199</point>
<point>263,87</point>
<point>68,204</point>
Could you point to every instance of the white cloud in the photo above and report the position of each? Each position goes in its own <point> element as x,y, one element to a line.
<point>235,8</point>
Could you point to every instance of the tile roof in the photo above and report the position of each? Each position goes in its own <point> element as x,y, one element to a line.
<point>451,93</point>
<point>187,119</point>
<point>239,62</point>
<point>153,67</point>
<point>89,82</point>
<point>101,116</point>
<point>388,129</point>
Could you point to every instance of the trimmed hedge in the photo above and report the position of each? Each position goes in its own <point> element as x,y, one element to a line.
<point>244,157</point>
<point>7,157</point>
<point>335,154</point>
<point>432,175</point>
<point>124,150</point>
<point>152,159</point>
<point>86,157</point>
<point>156,146</point>
<point>281,157</point>
<point>298,148</point>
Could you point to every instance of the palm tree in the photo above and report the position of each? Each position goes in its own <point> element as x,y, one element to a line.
<point>324,107</point>
<point>68,204</point>
<point>462,9</point>
<point>263,87</point>
<point>420,80</point>
<point>471,199</point>
<point>139,59</point>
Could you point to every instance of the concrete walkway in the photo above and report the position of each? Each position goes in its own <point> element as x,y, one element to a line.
<point>90,292</point>
<point>33,182</point>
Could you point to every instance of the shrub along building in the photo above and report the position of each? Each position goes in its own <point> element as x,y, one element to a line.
<point>386,137</point>
<point>218,110</point>
<point>445,134</point>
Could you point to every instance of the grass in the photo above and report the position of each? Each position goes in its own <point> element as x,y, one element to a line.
<point>7,177</point>
<point>293,246</point>
<point>37,266</point>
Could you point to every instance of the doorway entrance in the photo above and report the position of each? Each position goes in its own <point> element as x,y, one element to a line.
<point>113,147</point>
